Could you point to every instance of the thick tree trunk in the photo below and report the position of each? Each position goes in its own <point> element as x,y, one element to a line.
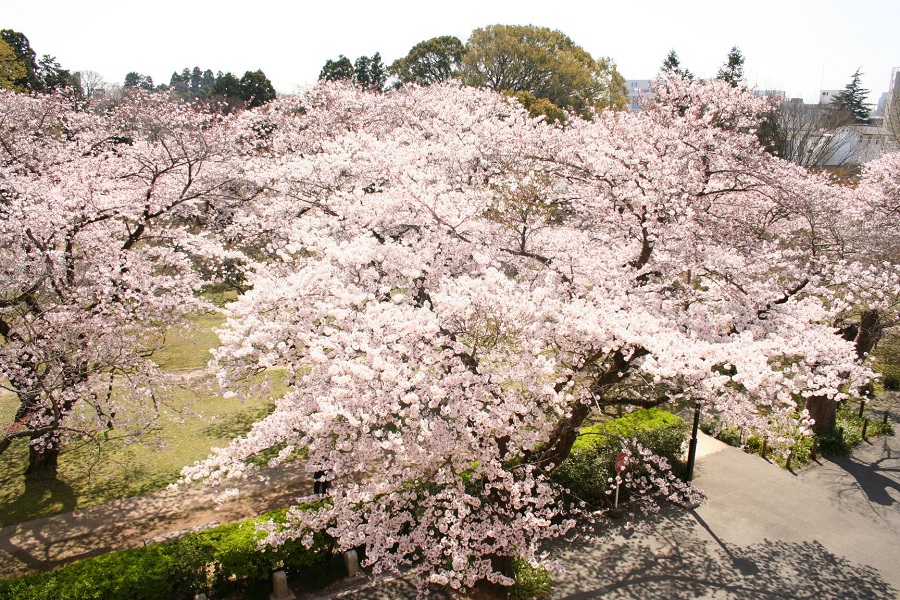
<point>824,410</point>
<point>564,435</point>
<point>869,332</point>
<point>563,438</point>
<point>864,335</point>
<point>42,462</point>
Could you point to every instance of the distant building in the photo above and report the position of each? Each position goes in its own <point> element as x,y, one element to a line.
<point>828,96</point>
<point>882,103</point>
<point>638,91</point>
<point>893,93</point>
<point>857,144</point>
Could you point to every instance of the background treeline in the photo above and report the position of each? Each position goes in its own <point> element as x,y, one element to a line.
<point>544,68</point>
<point>226,89</point>
<point>21,71</point>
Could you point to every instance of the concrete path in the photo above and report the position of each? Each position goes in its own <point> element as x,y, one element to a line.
<point>831,530</point>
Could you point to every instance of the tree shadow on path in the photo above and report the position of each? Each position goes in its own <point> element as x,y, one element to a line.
<point>879,479</point>
<point>677,562</point>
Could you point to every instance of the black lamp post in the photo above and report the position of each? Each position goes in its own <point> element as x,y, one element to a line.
<point>692,449</point>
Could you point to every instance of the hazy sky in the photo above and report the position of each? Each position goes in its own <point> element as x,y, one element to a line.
<point>796,46</point>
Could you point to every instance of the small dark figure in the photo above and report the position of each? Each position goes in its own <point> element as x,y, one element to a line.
<point>320,487</point>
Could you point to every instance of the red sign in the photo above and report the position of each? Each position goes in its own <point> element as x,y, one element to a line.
<point>620,463</point>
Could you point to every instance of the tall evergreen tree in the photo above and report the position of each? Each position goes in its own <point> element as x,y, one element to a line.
<point>853,98</point>
<point>733,69</point>
<point>135,79</point>
<point>256,89</point>
<point>227,85</point>
<point>54,77</point>
<point>671,66</point>
<point>335,70</point>
<point>207,82</point>
<point>227,91</point>
<point>370,73</point>
<point>196,79</point>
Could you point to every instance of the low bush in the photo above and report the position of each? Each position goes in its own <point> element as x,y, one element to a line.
<point>592,461</point>
<point>847,432</point>
<point>224,560</point>
<point>531,583</point>
<point>137,574</point>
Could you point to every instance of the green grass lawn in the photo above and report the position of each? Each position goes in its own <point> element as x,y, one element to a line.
<point>95,473</point>
<point>887,358</point>
<point>188,347</point>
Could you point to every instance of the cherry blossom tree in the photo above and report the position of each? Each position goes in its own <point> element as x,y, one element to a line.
<point>98,226</point>
<point>453,286</point>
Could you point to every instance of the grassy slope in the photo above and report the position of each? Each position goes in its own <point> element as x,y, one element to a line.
<point>92,474</point>
<point>887,353</point>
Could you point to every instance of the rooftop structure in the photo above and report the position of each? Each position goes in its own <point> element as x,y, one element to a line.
<point>638,90</point>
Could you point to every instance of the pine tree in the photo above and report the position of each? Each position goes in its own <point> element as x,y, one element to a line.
<point>361,71</point>
<point>853,98</point>
<point>733,69</point>
<point>256,89</point>
<point>196,78</point>
<point>672,67</point>
<point>377,73</point>
<point>135,79</point>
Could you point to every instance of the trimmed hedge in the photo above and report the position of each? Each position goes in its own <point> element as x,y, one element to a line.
<point>592,461</point>
<point>223,560</point>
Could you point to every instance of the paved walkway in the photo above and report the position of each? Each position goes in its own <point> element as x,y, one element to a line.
<point>831,530</point>
<point>52,541</point>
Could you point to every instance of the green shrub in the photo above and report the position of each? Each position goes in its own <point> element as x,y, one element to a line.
<point>531,582</point>
<point>835,443</point>
<point>731,436</point>
<point>592,461</point>
<point>802,451</point>
<point>225,560</point>
<point>239,561</point>
<point>847,432</point>
<point>892,382</point>
<point>190,556</point>
<point>877,427</point>
<point>137,574</point>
